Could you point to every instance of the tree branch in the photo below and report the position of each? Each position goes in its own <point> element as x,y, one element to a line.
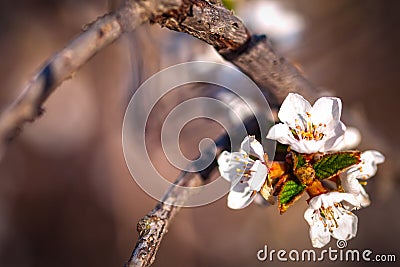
<point>67,61</point>
<point>209,22</point>
<point>154,225</point>
<point>57,69</point>
<point>253,55</point>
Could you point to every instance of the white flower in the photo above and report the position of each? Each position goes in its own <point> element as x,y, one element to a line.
<point>351,139</point>
<point>362,171</point>
<point>309,129</point>
<point>246,175</point>
<point>327,217</point>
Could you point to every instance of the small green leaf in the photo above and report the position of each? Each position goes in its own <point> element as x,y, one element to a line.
<point>332,164</point>
<point>301,161</point>
<point>290,192</point>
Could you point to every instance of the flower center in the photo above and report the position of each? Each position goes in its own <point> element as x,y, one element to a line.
<point>329,217</point>
<point>244,171</point>
<point>311,131</point>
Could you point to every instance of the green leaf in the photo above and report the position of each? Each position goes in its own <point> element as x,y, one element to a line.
<point>301,161</point>
<point>332,164</point>
<point>290,192</point>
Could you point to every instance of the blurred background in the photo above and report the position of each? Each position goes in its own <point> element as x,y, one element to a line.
<point>66,195</point>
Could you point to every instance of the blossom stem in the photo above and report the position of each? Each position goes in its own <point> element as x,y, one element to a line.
<point>277,169</point>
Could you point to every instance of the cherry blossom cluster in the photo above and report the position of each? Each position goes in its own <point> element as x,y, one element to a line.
<point>318,161</point>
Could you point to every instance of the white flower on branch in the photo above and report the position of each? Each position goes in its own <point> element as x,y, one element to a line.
<point>351,139</point>
<point>309,129</point>
<point>246,175</point>
<point>350,179</point>
<point>327,216</point>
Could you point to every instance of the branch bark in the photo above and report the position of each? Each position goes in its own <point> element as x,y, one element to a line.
<point>62,66</point>
<point>253,55</point>
<point>208,21</point>
<point>154,225</point>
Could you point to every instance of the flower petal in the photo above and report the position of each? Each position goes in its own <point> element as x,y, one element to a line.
<point>351,139</point>
<point>350,184</point>
<point>258,175</point>
<point>308,146</point>
<point>293,109</point>
<point>369,167</point>
<point>326,110</point>
<point>334,138</point>
<point>231,165</point>
<point>240,196</point>
<point>252,147</point>
<point>363,197</point>
<point>347,225</point>
<point>316,202</point>
<point>325,114</point>
<point>308,215</point>
<point>318,233</point>
<point>349,201</point>
<point>329,199</point>
<point>377,156</point>
<point>281,133</point>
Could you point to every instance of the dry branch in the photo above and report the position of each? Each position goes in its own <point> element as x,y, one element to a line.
<point>66,62</point>
<point>57,69</point>
<point>205,20</point>
<point>253,55</point>
<point>154,225</point>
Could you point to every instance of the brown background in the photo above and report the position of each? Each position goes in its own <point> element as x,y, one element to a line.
<point>66,196</point>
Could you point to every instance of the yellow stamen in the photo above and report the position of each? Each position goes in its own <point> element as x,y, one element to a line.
<point>311,131</point>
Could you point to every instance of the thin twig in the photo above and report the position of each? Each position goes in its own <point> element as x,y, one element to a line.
<point>66,62</point>
<point>154,225</point>
<point>57,69</point>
